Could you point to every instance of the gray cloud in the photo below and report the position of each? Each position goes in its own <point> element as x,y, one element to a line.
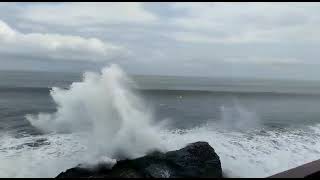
<point>55,46</point>
<point>87,13</point>
<point>247,22</point>
<point>194,38</point>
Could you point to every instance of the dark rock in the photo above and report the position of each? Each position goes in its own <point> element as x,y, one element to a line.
<point>195,160</point>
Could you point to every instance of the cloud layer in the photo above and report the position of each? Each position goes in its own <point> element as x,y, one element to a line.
<point>55,46</point>
<point>248,22</point>
<point>193,38</point>
<point>88,13</point>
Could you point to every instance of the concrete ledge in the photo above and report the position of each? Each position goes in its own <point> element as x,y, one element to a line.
<point>311,169</point>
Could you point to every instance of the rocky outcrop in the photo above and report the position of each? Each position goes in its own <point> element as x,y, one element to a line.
<point>195,160</point>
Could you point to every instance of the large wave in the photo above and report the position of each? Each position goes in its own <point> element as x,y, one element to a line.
<point>118,123</point>
<point>102,117</point>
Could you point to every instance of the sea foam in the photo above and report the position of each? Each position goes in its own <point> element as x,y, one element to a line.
<point>118,123</point>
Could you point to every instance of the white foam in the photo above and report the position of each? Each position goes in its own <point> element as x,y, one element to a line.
<point>19,160</point>
<point>251,154</point>
<point>117,121</point>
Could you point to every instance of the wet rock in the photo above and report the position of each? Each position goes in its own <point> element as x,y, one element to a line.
<point>195,160</point>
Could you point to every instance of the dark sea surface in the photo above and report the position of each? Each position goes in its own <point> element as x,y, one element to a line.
<point>258,127</point>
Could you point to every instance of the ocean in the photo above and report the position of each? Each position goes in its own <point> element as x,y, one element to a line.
<point>52,121</point>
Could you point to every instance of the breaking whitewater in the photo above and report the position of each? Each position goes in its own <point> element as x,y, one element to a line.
<point>102,118</point>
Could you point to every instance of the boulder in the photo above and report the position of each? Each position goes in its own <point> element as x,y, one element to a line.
<point>195,160</point>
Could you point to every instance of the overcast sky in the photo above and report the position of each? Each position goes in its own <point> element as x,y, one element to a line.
<point>273,40</point>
